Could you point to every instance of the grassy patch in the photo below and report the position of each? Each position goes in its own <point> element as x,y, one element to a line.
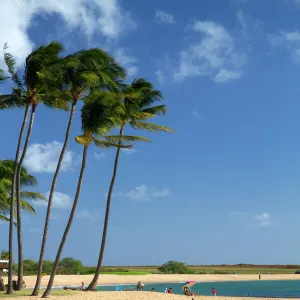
<point>27,292</point>
<point>126,273</point>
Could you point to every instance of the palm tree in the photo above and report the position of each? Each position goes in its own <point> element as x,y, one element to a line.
<point>4,254</point>
<point>27,180</point>
<point>30,91</point>
<point>80,73</point>
<point>99,115</point>
<point>136,110</point>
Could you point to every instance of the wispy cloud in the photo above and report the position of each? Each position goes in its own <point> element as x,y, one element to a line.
<point>213,54</point>
<point>196,114</point>
<point>225,75</point>
<point>163,17</point>
<point>60,201</point>
<point>160,76</point>
<point>289,40</point>
<point>129,151</point>
<point>145,193</point>
<point>263,219</point>
<point>258,220</point>
<point>90,216</point>
<point>129,62</point>
<point>44,158</point>
<point>105,17</point>
<point>99,156</point>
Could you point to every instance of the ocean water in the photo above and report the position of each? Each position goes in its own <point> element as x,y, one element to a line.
<point>276,289</point>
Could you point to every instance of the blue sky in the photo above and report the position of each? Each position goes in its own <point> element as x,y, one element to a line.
<point>224,187</point>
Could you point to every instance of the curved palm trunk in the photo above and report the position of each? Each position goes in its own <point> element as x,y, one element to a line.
<point>12,196</point>
<point>19,223</point>
<point>47,220</point>
<point>94,282</point>
<point>67,229</point>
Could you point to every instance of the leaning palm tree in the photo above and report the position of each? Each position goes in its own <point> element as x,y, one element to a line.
<point>30,91</point>
<point>80,73</point>
<point>100,114</point>
<point>136,110</point>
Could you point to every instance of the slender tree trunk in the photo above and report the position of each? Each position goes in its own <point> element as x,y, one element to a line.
<point>94,282</point>
<point>12,197</point>
<point>19,223</point>
<point>67,229</point>
<point>52,190</point>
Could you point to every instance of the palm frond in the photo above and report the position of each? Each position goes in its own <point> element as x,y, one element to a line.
<point>10,62</point>
<point>2,76</point>
<point>27,207</point>
<point>156,110</point>
<point>55,101</point>
<point>149,126</point>
<point>3,218</point>
<point>32,196</point>
<point>116,139</point>
<point>84,140</point>
<point>106,144</point>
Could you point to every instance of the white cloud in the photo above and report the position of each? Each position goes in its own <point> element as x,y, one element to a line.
<point>44,157</point>
<point>144,193</point>
<point>263,219</point>
<point>290,40</point>
<point>225,75</point>
<point>160,76</point>
<point>99,156</point>
<point>59,200</point>
<point>129,62</point>
<point>196,114</point>
<point>106,17</point>
<point>163,17</point>
<point>83,214</point>
<point>90,216</point>
<point>129,151</point>
<point>212,55</point>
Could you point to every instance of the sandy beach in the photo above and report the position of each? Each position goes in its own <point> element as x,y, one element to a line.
<point>157,278</point>
<point>133,296</point>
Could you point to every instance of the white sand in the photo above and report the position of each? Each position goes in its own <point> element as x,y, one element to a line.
<point>134,296</point>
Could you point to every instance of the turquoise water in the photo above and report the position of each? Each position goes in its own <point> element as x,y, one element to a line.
<point>283,288</point>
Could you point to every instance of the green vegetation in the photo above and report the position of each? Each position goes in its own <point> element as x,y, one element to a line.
<point>174,267</point>
<point>69,265</point>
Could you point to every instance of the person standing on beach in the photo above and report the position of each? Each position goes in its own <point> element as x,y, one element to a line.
<point>82,287</point>
<point>166,290</point>
<point>214,291</point>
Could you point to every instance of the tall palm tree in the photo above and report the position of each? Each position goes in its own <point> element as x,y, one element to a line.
<point>99,115</point>
<point>30,91</point>
<point>136,110</point>
<point>80,73</point>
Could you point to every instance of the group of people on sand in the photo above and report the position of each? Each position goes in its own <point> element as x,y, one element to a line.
<point>140,287</point>
<point>80,288</point>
